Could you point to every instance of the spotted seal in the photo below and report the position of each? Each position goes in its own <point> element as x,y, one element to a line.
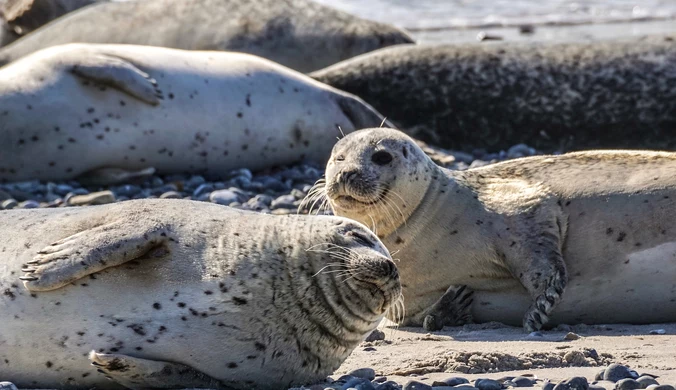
<point>300,34</point>
<point>552,96</point>
<point>581,237</point>
<point>182,294</point>
<point>23,16</point>
<point>73,109</point>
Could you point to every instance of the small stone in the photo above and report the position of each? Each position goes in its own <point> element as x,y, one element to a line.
<point>344,379</point>
<point>240,173</point>
<point>281,212</point>
<point>452,381</point>
<point>487,384</point>
<point>95,198</point>
<point>29,204</point>
<point>616,372</point>
<point>389,385</point>
<point>646,381</point>
<point>415,385</point>
<point>548,386</point>
<point>575,358</point>
<point>376,335</point>
<point>365,373</point>
<point>522,381</point>
<point>126,190</point>
<point>284,201</point>
<point>535,334</point>
<point>171,195</point>
<point>459,367</point>
<point>358,384</point>
<point>660,387</point>
<point>596,387</point>
<point>223,197</point>
<point>464,386</point>
<point>7,386</point>
<point>574,383</point>
<point>380,379</point>
<point>195,181</point>
<point>9,204</point>
<point>571,336</point>
<point>628,384</point>
<point>658,331</point>
<point>202,189</point>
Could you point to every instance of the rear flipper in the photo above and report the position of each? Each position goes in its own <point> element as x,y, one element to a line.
<point>452,309</point>
<point>94,250</point>
<point>135,373</point>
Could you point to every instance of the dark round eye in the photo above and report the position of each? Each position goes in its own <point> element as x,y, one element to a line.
<point>381,157</point>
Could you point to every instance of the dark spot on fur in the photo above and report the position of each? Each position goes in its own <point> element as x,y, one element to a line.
<point>239,114</point>
<point>49,364</point>
<point>621,236</point>
<point>208,292</point>
<point>260,346</point>
<point>399,240</point>
<point>157,306</point>
<point>232,365</point>
<point>609,231</point>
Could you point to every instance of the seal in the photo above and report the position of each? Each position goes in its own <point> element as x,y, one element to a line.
<point>182,294</point>
<point>72,109</point>
<point>23,16</point>
<point>551,96</point>
<point>581,237</point>
<point>300,34</point>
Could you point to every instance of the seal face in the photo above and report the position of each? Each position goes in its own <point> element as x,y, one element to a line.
<point>517,233</point>
<point>160,299</point>
<point>133,108</point>
<point>300,34</point>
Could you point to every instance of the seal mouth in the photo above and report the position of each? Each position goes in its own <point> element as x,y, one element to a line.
<point>352,201</point>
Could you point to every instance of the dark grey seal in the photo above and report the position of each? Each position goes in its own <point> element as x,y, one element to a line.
<point>300,34</point>
<point>614,94</point>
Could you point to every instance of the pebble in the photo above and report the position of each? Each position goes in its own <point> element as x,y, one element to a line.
<point>522,381</point>
<point>29,204</point>
<point>172,195</point>
<point>627,384</point>
<point>389,385</point>
<point>7,386</point>
<point>358,384</point>
<point>202,189</point>
<point>646,381</point>
<point>452,381</point>
<point>376,335</point>
<point>660,387</point>
<point>9,204</point>
<point>571,336</point>
<point>487,384</point>
<point>95,198</point>
<point>415,385</point>
<point>224,197</point>
<point>616,372</point>
<point>658,331</point>
<point>284,201</point>
<point>575,358</point>
<point>380,379</point>
<point>596,387</point>
<point>574,383</point>
<point>548,386</point>
<point>365,373</point>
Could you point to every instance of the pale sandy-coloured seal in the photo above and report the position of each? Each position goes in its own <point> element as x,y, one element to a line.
<point>23,16</point>
<point>582,237</point>
<point>300,34</point>
<point>176,294</point>
<point>71,109</point>
<point>552,96</point>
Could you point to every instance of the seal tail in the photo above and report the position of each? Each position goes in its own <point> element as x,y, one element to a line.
<point>361,114</point>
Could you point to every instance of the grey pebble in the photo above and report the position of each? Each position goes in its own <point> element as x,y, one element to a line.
<point>365,373</point>
<point>616,372</point>
<point>224,197</point>
<point>359,384</point>
<point>628,384</point>
<point>195,181</point>
<point>596,387</point>
<point>7,386</point>
<point>452,381</point>
<point>376,335</point>
<point>535,334</point>
<point>574,383</point>
<point>389,385</point>
<point>126,190</point>
<point>571,336</point>
<point>203,189</point>
<point>9,204</point>
<point>487,384</point>
<point>660,387</point>
<point>415,385</point>
<point>464,386</point>
<point>284,201</point>
<point>548,386</point>
<point>29,204</point>
<point>646,381</point>
<point>95,198</point>
<point>658,331</point>
<point>522,381</point>
<point>380,379</point>
<point>171,195</point>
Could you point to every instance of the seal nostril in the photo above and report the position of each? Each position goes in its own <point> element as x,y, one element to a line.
<point>381,157</point>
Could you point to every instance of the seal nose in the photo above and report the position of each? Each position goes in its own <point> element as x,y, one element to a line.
<point>348,176</point>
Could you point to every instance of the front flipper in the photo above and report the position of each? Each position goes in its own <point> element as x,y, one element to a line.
<point>119,74</point>
<point>93,250</point>
<point>135,373</point>
<point>452,309</point>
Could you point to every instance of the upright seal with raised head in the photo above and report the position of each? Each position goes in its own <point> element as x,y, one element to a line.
<point>581,237</point>
<point>182,294</point>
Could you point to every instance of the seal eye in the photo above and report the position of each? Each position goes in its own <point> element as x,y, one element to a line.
<point>381,157</point>
<point>361,238</point>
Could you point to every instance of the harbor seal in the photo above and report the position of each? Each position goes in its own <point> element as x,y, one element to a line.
<point>182,294</point>
<point>23,16</point>
<point>300,34</point>
<point>72,109</point>
<point>551,96</point>
<point>581,237</point>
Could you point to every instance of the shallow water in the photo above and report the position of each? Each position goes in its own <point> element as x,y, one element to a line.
<point>460,20</point>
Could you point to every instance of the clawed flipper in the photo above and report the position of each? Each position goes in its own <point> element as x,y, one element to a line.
<point>136,373</point>
<point>452,309</point>
<point>91,251</point>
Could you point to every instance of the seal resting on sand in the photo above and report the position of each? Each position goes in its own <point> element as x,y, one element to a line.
<point>581,237</point>
<point>182,294</point>
<point>300,34</point>
<point>82,109</point>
